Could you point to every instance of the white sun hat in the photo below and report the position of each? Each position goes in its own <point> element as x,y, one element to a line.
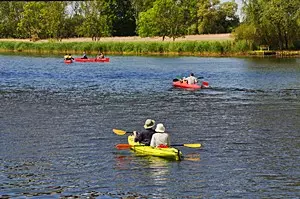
<point>149,124</point>
<point>160,128</point>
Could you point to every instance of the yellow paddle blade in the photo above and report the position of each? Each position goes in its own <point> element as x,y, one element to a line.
<point>197,145</point>
<point>119,132</point>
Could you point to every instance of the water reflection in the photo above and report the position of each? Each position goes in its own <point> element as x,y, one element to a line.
<point>158,170</point>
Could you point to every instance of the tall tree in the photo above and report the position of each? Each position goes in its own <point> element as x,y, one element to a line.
<point>53,18</point>
<point>215,17</point>
<point>141,6</point>
<point>10,17</point>
<point>165,18</point>
<point>97,20</point>
<point>30,24</point>
<point>273,22</point>
<point>124,19</point>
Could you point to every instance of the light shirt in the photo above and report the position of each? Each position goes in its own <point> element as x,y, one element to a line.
<point>191,80</point>
<point>160,138</point>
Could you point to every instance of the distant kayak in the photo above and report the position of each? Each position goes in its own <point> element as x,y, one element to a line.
<point>68,61</point>
<point>177,83</point>
<point>186,85</point>
<point>79,59</point>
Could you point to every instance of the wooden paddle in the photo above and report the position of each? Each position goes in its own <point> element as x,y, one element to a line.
<point>128,146</point>
<point>120,132</point>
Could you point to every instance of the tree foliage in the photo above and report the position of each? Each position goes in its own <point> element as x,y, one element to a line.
<point>165,18</point>
<point>97,21</point>
<point>273,22</point>
<point>215,17</point>
<point>123,20</point>
<point>9,17</point>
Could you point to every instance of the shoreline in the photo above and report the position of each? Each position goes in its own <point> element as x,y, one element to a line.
<point>214,45</point>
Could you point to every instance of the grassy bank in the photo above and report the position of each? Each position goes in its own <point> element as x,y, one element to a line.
<point>197,48</point>
<point>208,48</point>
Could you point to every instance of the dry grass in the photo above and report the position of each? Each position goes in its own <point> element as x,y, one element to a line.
<point>209,37</point>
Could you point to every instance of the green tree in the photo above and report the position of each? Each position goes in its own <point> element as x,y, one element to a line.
<point>274,23</point>
<point>53,19</point>
<point>123,22</point>
<point>10,17</point>
<point>141,6</point>
<point>30,24</point>
<point>215,17</point>
<point>165,18</point>
<point>97,20</point>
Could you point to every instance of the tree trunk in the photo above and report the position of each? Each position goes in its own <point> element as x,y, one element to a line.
<point>286,40</point>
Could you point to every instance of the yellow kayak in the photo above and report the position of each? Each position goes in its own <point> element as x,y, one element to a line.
<point>168,153</point>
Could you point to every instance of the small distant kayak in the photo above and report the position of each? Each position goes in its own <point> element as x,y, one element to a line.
<point>177,83</point>
<point>79,59</point>
<point>68,61</point>
<point>186,85</point>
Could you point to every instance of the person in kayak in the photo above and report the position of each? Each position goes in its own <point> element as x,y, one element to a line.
<point>145,136</point>
<point>66,56</point>
<point>160,138</point>
<point>191,79</point>
<point>100,55</point>
<point>69,57</point>
<point>84,55</point>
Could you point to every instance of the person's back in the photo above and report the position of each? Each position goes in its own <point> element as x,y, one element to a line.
<point>160,137</point>
<point>145,136</point>
<point>191,79</point>
<point>66,56</point>
<point>101,55</point>
<point>84,56</point>
<point>70,57</point>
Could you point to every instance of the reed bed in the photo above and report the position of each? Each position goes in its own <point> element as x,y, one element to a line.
<point>135,48</point>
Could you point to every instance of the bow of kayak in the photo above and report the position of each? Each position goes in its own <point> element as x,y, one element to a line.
<point>68,61</point>
<point>168,153</point>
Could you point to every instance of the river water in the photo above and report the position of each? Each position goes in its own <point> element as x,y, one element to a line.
<point>56,122</point>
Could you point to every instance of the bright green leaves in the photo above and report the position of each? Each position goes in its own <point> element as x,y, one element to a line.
<point>166,19</point>
<point>97,19</point>
<point>42,19</point>
<point>215,17</point>
<point>271,22</point>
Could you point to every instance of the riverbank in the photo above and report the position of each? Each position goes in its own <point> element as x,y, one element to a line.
<point>196,45</point>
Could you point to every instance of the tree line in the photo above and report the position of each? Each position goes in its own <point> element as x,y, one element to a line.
<point>265,22</point>
<point>102,18</point>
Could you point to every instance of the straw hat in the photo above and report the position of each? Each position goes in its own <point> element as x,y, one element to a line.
<point>160,128</point>
<point>149,124</point>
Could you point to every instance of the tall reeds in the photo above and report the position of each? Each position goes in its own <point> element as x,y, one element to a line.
<point>135,48</point>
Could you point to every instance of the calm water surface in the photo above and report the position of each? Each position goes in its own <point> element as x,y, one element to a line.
<point>56,122</point>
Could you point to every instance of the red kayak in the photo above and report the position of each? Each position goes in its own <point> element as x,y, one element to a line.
<point>79,59</point>
<point>180,84</point>
<point>68,61</point>
<point>186,85</point>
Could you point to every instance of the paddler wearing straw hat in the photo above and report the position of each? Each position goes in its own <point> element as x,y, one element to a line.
<point>145,136</point>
